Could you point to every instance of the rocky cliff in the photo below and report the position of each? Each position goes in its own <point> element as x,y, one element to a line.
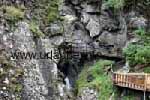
<point>70,33</point>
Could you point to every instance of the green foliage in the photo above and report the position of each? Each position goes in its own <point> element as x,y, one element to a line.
<point>145,37</point>
<point>131,97</point>
<point>117,4</point>
<point>12,13</point>
<point>139,53</point>
<point>53,13</point>
<point>46,12</point>
<point>35,29</point>
<point>100,81</point>
<point>14,87</point>
<point>140,32</point>
<point>147,69</point>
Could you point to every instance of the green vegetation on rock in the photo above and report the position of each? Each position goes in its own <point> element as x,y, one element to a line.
<point>46,12</point>
<point>100,79</point>
<point>35,29</point>
<point>16,87</point>
<point>53,11</point>
<point>139,53</point>
<point>13,74</point>
<point>130,97</point>
<point>117,4</point>
<point>12,13</point>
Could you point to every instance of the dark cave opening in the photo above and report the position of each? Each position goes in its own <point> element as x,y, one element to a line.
<point>72,67</point>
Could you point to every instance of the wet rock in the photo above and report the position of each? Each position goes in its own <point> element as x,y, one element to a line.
<point>6,81</point>
<point>88,94</point>
<point>66,10</point>
<point>94,27</point>
<point>85,17</point>
<point>75,2</point>
<point>69,18</point>
<point>4,88</point>
<point>137,23</point>
<point>93,8</point>
<point>54,29</point>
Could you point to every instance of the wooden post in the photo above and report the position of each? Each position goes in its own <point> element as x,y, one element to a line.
<point>144,95</point>
<point>145,82</point>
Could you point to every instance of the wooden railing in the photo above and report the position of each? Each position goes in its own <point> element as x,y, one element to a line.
<point>138,81</point>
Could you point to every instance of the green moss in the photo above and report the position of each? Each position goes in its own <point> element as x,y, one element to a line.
<point>2,74</point>
<point>117,4</point>
<point>12,13</point>
<point>53,13</point>
<point>35,29</point>
<point>19,72</point>
<point>100,81</point>
<point>16,87</point>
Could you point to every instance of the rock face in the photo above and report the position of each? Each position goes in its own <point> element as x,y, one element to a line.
<point>24,42</point>
<point>104,33</point>
<point>88,29</point>
<point>39,75</point>
<point>88,94</point>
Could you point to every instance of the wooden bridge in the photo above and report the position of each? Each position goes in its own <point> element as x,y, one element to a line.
<point>137,81</point>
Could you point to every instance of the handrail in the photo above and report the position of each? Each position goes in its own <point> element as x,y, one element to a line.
<point>136,81</point>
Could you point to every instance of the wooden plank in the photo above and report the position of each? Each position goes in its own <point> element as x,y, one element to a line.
<point>138,81</point>
<point>148,82</point>
<point>131,87</point>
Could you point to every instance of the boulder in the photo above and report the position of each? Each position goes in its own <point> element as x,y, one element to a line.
<point>94,27</point>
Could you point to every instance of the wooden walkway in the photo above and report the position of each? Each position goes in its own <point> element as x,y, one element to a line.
<point>137,81</point>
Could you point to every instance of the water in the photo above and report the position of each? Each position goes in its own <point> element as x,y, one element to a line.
<point>67,83</point>
<point>126,67</point>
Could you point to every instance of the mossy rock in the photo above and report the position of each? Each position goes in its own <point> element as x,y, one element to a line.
<point>52,11</point>
<point>12,13</point>
<point>16,87</point>
<point>19,72</point>
<point>117,4</point>
<point>35,29</point>
<point>55,29</point>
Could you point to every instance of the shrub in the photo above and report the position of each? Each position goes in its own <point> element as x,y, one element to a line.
<point>140,32</point>
<point>100,81</point>
<point>139,53</point>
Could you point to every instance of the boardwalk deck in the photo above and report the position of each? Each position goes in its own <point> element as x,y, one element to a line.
<point>137,81</point>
